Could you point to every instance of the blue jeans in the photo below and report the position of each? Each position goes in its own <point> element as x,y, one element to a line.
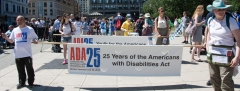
<point>150,38</point>
<point>67,39</point>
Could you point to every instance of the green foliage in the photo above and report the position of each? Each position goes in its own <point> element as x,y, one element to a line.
<point>174,8</point>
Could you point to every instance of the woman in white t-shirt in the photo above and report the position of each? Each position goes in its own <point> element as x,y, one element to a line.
<point>67,29</point>
<point>162,27</point>
<point>222,56</point>
<point>78,26</point>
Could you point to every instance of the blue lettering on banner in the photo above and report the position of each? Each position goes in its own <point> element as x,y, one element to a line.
<point>83,40</point>
<point>95,53</point>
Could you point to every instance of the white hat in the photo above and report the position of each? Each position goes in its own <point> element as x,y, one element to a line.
<point>217,4</point>
<point>147,15</point>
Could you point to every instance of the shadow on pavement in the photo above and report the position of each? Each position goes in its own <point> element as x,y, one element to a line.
<point>236,86</point>
<point>54,64</point>
<point>187,62</point>
<point>150,88</point>
<point>46,88</point>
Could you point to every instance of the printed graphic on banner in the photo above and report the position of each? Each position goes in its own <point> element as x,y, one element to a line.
<point>111,40</point>
<point>21,37</point>
<point>125,60</point>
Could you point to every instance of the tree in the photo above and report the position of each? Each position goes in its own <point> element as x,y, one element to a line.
<point>174,8</point>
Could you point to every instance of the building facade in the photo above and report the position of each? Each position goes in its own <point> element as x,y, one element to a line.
<point>85,4</point>
<point>51,8</point>
<point>10,9</point>
<point>112,7</point>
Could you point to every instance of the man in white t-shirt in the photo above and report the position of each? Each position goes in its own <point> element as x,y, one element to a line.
<point>23,36</point>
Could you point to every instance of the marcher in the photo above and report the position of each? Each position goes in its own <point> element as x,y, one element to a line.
<point>78,26</point>
<point>197,34</point>
<point>127,26</point>
<point>185,22</point>
<point>139,25</point>
<point>66,29</point>
<point>23,36</point>
<point>118,21</point>
<point>220,35</point>
<point>162,27</point>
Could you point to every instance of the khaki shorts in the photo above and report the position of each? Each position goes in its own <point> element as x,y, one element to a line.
<point>184,33</point>
<point>119,33</point>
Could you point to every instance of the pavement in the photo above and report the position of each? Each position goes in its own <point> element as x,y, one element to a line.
<point>51,75</point>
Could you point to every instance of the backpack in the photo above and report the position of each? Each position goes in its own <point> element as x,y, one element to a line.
<point>56,49</point>
<point>119,23</point>
<point>140,24</point>
<point>227,21</point>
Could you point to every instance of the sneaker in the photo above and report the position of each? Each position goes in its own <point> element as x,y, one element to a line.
<point>20,86</point>
<point>184,42</point>
<point>209,83</point>
<point>64,62</point>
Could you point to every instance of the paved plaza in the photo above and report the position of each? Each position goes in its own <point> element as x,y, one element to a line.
<point>51,75</point>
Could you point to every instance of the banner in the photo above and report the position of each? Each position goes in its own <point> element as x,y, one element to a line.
<point>115,60</point>
<point>111,40</point>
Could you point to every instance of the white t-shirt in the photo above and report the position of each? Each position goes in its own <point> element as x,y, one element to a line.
<point>78,26</point>
<point>162,23</point>
<point>220,34</point>
<point>23,38</point>
<point>66,30</point>
<point>39,24</point>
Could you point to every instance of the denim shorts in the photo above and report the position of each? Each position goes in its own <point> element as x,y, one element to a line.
<point>67,39</point>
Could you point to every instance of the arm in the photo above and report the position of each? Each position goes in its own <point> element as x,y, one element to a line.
<point>235,61</point>
<point>123,27</point>
<point>155,26</point>
<point>206,37</point>
<point>60,29</point>
<point>196,21</point>
<point>10,39</point>
<point>73,28</point>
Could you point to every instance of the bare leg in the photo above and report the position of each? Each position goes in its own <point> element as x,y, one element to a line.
<point>64,51</point>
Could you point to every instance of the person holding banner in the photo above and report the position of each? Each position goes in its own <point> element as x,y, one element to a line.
<point>162,27</point>
<point>127,26</point>
<point>66,29</point>
<point>223,57</point>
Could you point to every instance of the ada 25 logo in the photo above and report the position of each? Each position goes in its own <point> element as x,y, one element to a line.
<point>80,54</point>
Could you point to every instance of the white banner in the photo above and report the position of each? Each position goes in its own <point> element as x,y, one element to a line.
<point>126,60</point>
<point>111,40</point>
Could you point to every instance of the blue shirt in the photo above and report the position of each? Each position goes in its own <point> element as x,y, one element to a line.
<point>238,16</point>
<point>85,26</point>
<point>56,24</point>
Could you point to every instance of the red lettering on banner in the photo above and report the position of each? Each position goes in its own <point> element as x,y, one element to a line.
<point>78,40</point>
<point>78,53</point>
<point>72,57</point>
<point>83,54</point>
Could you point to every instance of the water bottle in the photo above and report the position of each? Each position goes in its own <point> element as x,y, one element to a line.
<point>164,41</point>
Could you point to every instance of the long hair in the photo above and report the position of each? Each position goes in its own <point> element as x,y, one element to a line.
<point>198,10</point>
<point>65,15</point>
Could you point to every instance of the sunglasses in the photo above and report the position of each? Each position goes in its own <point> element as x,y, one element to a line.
<point>161,11</point>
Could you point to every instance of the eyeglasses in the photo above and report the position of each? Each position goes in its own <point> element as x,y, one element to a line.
<point>221,9</point>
